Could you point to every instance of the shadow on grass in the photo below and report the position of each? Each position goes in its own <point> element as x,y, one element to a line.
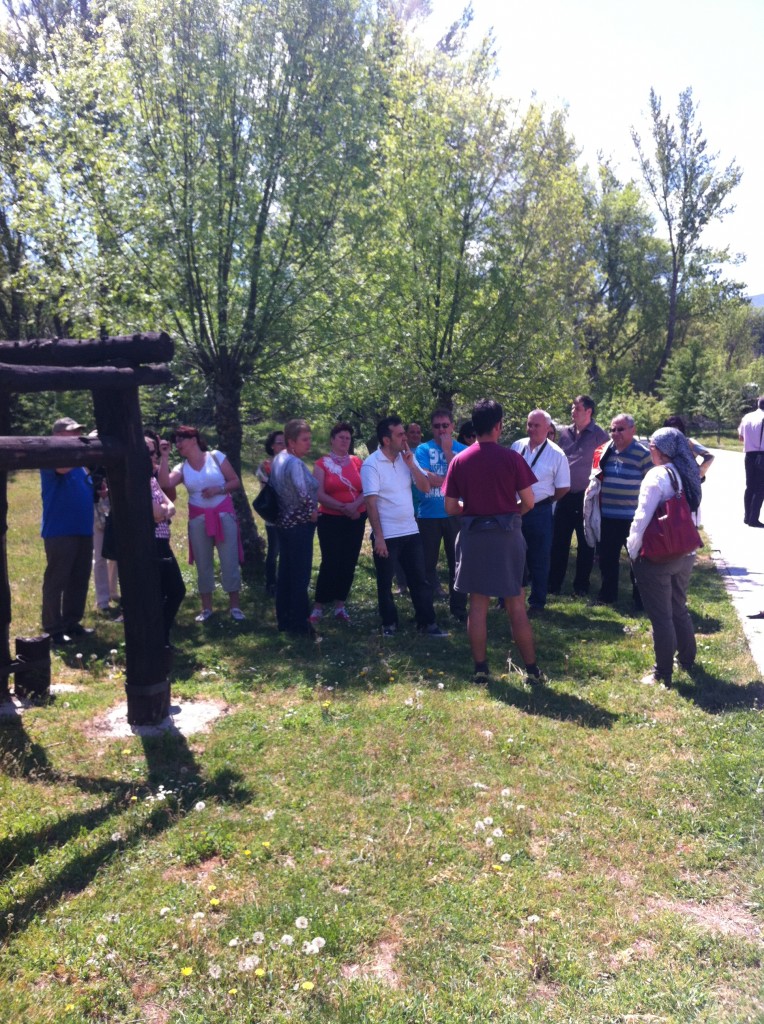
<point>168,757</point>
<point>549,703</point>
<point>716,695</point>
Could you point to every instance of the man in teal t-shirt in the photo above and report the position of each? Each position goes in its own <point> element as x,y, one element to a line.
<point>434,524</point>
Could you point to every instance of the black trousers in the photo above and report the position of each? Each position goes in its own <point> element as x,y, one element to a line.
<point>340,541</point>
<point>432,531</point>
<point>410,556</point>
<point>613,536</point>
<point>754,486</point>
<point>171,582</point>
<point>569,516</point>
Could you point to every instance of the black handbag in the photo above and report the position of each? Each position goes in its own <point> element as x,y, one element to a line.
<point>266,504</point>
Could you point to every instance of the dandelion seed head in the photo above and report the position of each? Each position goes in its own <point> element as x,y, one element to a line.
<point>101,939</point>
<point>287,940</point>
<point>233,943</point>
<point>215,971</point>
<point>199,805</point>
<point>248,963</point>
<point>258,938</point>
<point>301,923</point>
<point>164,911</point>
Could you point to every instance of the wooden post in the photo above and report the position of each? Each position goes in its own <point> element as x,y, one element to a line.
<point>5,586</point>
<point>118,415</point>
<point>32,671</point>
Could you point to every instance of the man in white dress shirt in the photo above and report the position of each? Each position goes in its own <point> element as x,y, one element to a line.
<point>550,466</point>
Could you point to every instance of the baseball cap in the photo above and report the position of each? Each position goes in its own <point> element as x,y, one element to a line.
<point>66,425</point>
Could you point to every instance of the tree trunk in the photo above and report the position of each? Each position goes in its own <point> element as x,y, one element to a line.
<point>227,390</point>
<point>670,325</point>
<point>5,587</point>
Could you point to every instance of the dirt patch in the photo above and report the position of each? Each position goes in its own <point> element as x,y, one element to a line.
<point>186,717</point>
<point>380,965</point>
<point>642,949</point>
<point>197,873</point>
<point>723,917</point>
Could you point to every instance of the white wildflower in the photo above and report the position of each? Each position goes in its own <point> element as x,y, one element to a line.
<point>214,971</point>
<point>233,943</point>
<point>199,915</point>
<point>441,686</point>
<point>489,842</point>
<point>479,785</point>
<point>101,939</point>
<point>506,793</point>
<point>287,940</point>
<point>505,858</point>
<point>249,963</point>
<point>418,693</point>
<point>301,923</point>
<point>200,805</point>
<point>164,911</point>
<point>319,942</point>
<point>533,919</point>
<point>488,821</point>
<point>116,837</point>
<point>409,702</point>
<point>487,734</point>
<point>497,833</point>
<point>258,938</point>
<point>269,815</point>
<point>479,826</point>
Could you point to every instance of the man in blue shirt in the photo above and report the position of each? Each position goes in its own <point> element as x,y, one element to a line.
<point>67,532</point>
<point>623,464</point>
<point>434,523</point>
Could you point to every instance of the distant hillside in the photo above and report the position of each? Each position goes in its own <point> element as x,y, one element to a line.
<point>756,300</point>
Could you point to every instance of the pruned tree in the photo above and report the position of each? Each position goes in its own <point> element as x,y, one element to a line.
<point>689,192</point>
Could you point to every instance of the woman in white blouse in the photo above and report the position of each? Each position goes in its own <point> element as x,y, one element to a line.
<point>210,480</point>
<point>663,585</point>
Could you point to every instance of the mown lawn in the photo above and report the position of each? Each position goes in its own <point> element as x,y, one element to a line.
<point>588,853</point>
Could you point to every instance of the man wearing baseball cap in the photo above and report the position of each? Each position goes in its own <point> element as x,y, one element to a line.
<point>67,532</point>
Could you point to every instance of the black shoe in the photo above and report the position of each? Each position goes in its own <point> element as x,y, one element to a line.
<point>79,630</point>
<point>433,630</point>
<point>481,678</point>
<point>756,524</point>
<point>536,679</point>
<point>59,639</point>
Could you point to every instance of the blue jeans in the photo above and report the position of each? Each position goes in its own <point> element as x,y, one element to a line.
<point>295,566</point>
<point>538,527</point>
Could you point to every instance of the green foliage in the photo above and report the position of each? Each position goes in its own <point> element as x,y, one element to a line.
<point>648,411</point>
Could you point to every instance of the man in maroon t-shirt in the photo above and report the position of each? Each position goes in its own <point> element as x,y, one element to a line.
<point>482,486</point>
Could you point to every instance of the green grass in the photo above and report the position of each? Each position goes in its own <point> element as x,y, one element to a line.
<point>351,783</point>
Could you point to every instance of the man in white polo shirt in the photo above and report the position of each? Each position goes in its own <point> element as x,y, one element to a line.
<point>550,466</point>
<point>387,476</point>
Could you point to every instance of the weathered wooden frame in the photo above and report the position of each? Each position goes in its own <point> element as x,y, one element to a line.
<point>112,369</point>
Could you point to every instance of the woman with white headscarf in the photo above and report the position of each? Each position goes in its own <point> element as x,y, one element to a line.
<point>663,585</point>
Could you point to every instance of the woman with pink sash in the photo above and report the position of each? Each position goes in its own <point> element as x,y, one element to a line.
<point>210,480</point>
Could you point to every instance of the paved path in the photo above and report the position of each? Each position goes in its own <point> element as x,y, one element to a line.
<point>738,550</point>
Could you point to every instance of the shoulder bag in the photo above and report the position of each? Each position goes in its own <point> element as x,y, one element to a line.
<point>266,504</point>
<point>671,532</point>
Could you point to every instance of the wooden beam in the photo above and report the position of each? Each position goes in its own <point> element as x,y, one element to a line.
<point>28,379</point>
<point>151,347</point>
<point>58,452</point>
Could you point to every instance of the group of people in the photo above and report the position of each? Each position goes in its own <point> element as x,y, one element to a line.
<point>76,521</point>
<point>505,518</point>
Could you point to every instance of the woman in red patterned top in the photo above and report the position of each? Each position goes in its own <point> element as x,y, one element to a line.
<point>341,522</point>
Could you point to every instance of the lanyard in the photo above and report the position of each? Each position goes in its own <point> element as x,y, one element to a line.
<point>537,456</point>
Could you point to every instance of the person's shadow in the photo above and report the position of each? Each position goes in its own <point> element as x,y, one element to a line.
<point>174,783</point>
<point>544,700</point>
